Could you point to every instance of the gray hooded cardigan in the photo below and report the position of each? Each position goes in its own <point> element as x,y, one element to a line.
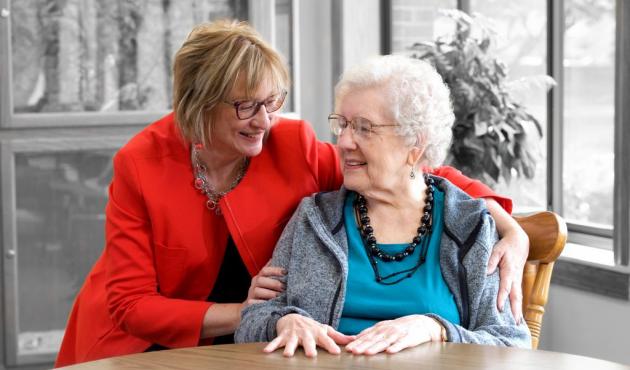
<point>314,251</point>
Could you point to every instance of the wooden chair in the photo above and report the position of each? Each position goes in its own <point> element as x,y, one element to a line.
<point>547,234</point>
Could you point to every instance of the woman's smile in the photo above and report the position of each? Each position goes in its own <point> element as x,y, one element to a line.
<point>353,164</point>
<point>252,136</point>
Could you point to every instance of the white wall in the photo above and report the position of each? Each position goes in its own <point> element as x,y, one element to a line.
<point>586,324</point>
<point>356,28</point>
<point>316,80</point>
<point>361,27</point>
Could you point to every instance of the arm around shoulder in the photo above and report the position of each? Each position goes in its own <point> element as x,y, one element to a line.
<point>472,187</point>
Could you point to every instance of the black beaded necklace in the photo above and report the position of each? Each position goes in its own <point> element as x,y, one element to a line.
<point>374,252</point>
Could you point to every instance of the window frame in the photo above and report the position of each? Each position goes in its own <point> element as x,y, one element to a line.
<point>261,14</point>
<point>108,138</point>
<point>621,230</point>
<point>573,272</point>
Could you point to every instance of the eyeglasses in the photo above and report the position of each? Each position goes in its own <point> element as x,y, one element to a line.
<point>361,127</point>
<point>246,109</point>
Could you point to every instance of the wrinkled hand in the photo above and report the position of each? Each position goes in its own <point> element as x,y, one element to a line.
<point>294,330</point>
<point>510,254</point>
<point>393,336</point>
<point>264,286</point>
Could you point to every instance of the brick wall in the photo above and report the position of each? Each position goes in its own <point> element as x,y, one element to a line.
<point>413,21</point>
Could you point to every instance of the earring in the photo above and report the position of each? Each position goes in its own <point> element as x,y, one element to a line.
<point>412,175</point>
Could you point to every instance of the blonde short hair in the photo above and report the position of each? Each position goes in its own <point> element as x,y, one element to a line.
<point>417,99</point>
<point>208,65</point>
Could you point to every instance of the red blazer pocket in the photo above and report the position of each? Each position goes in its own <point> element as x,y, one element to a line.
<point>170,268</point>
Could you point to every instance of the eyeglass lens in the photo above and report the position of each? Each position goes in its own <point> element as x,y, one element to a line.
<point>360,126</point>
<point>249,108</point>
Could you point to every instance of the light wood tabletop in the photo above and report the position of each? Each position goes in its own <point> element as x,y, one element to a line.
<point>427,356</point>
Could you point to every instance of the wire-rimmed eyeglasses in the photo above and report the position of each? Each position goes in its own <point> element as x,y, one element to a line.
<point>361,127</point>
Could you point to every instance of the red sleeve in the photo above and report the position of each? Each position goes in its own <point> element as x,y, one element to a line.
<point>474,188</point>
<point>323,159</point>
<point>133,300</point>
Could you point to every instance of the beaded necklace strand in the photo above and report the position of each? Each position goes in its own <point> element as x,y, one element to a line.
<point>374,252</point>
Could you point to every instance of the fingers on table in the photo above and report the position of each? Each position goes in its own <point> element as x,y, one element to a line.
<point>308,339</point>
<point>338,337</point>
<point>376,340</point>
<point>288,341</point>
<point>291,345</point>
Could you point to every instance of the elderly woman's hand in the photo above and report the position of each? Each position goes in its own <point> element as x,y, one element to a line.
<point>510,254</point>
<point>395,335</point>
<point>265,285</point>
<point>294,330</point>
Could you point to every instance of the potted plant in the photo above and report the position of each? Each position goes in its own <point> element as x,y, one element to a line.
<point>494,137</point>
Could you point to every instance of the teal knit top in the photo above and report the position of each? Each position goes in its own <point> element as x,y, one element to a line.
<point>368,302</point>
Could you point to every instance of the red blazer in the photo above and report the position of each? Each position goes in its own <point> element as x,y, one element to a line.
<point>164,247</point>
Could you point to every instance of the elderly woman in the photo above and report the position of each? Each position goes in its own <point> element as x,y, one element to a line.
<point>199,199</point>
<point>397,257</point>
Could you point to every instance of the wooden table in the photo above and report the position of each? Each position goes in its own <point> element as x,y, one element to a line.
<point>427,356</point>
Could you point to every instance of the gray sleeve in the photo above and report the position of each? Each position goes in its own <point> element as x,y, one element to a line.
<point>487,324</point>
<point>258,321</point>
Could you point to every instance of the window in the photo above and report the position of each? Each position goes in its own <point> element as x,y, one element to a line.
<point>79,78</point>
<point>416,21</point>
<point>522,45</point>
<point>583,171</point>
<point>59,187</point>
<point>285,44</point>
<point>102,56</point>
<point>589,113</point>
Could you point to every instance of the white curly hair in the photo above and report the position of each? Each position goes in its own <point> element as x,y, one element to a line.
<point>417,98</point>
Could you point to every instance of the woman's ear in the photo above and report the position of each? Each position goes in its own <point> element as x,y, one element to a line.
<point>416,151</point>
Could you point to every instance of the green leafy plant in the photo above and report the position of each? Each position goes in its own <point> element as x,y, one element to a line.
<point>493,136</point>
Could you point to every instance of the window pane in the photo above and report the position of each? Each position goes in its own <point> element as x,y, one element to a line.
<point>415,21</point>
<point>284,42</point>
<point>102,55</point>
<point>589,72</point>
<point>60,200</point>
<point>522,45</point>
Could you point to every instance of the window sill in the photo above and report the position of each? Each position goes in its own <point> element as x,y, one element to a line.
<point>592,270</point>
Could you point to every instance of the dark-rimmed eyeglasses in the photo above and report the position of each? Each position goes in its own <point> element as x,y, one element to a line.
<point>246,109</point>
<point>361,127</point>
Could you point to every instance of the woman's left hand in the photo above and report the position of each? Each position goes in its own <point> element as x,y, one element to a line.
<point>393,336</point>
<point>265,285</point>
<point>510,255</point>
